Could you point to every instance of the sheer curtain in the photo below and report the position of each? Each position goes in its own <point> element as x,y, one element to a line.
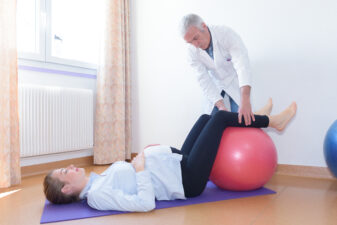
<point>9,116</point>
<point>113,102</point>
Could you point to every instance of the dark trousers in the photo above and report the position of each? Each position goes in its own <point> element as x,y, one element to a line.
<point>201,146</point>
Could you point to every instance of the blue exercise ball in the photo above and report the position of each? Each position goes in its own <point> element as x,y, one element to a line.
<point>330,148</point>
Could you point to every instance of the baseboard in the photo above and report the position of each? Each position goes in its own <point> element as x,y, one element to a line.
<point>304,171</point>
<point>48,158</point>
<point>282,169</point>
<point>46,167</point>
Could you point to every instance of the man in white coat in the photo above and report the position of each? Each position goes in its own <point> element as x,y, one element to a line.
<point>221,61</point>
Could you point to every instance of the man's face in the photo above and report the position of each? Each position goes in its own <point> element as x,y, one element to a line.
<point>198,38</point>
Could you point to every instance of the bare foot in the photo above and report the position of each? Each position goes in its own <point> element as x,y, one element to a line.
<point>280,121</point>
<point>265,109</point>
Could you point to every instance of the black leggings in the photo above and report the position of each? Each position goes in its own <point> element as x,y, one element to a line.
<point>201,146</point>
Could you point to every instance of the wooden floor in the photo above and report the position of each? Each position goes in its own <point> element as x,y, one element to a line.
<point>299,201</point>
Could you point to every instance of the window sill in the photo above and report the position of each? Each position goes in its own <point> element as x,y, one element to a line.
<point>38,66</point>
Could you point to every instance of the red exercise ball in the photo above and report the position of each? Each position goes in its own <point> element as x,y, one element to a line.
<point>246,159</point>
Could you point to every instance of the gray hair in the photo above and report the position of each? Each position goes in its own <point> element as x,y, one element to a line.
<point>188,21</point>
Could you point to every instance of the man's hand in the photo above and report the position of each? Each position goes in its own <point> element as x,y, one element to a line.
<point>221,105</point>
<point>139,162</point>
<point>245,109</point>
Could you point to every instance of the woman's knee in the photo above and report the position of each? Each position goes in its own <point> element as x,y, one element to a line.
<point>220,115</point>
<point>204,117</point>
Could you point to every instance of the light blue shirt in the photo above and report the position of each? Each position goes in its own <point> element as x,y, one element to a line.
<point>209,50</point>
<point>121,188</point>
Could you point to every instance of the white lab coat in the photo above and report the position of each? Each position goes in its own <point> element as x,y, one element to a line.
<point>230,68</point>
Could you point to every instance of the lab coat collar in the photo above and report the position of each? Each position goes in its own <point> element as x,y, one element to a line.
<point>204,55</point>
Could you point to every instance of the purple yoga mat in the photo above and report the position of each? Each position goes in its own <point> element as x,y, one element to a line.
<point>79,210</point>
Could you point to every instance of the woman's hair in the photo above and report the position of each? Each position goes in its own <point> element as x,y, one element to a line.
<point>188,21</point>
<point>52,189</point>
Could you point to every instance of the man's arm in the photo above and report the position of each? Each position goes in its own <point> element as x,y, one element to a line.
<point>241,65</point>
<point>245,109</point>
<point>205,81</point>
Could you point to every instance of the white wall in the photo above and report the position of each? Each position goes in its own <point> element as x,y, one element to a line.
<point>293,50</point>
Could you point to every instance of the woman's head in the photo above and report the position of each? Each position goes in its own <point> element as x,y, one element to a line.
<point>64,185</point>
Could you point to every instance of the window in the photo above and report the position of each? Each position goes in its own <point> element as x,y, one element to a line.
<point>60,31</point>
<point>30,36</point>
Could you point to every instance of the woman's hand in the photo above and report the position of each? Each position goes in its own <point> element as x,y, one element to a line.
<point>139,162</point>
<point>221,105</point>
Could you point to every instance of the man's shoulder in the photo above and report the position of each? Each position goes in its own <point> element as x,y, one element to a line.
<point>219,27</point>
<point>220,30</point>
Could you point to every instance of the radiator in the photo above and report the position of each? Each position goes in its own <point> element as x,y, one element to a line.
<point>54,119</point>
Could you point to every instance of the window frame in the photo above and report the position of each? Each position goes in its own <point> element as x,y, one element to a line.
<point>44,55</point>
<point>40,16</point>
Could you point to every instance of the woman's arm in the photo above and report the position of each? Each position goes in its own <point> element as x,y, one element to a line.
<point>107,198</point>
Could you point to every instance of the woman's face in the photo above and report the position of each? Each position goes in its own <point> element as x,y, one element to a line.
<point>71,176</point>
